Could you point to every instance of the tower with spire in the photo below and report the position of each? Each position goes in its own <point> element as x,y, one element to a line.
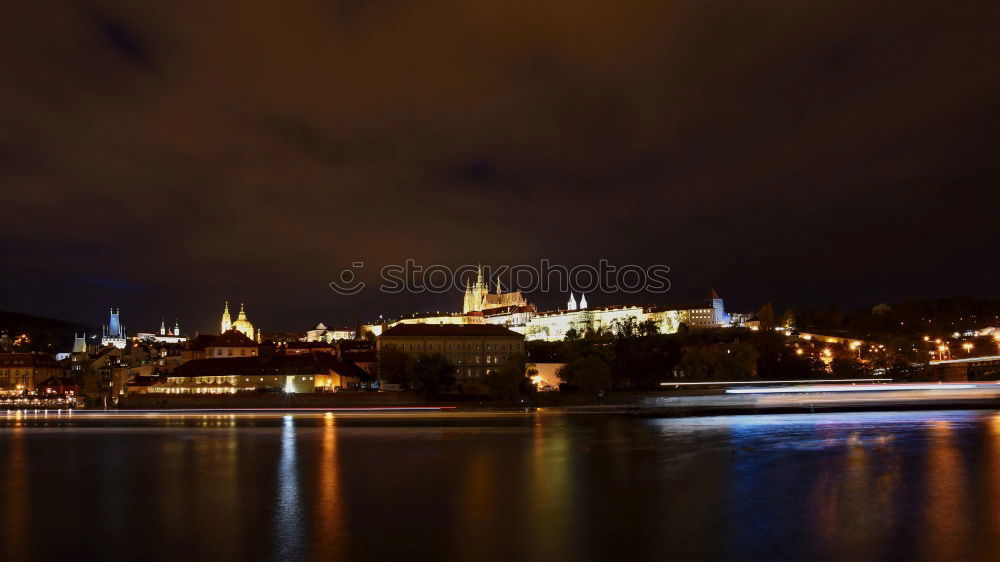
<point>583,301</point>
<point>476,294</point>
<point>227,321</point>
<point>571,305</point>
<point>242,323</point>
<point>114,332</point>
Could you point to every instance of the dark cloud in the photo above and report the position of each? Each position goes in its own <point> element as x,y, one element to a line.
<point>804,152</point>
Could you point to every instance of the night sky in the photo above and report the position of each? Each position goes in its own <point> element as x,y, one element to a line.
<point>165,156</point>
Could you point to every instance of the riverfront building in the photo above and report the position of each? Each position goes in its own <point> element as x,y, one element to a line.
<point>22,371</point>
<point>314,372</point>
<point>474,349</point>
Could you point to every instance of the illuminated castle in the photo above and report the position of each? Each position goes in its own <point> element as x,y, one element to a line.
<point>479,299</point>
<point>242,324</point>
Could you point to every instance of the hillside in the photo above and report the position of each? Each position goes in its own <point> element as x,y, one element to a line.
<point>44,334</point>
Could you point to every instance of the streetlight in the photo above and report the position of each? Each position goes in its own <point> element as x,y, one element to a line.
<point>967,347</point>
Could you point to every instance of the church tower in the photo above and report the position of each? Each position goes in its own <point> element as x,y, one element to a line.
<point>79,343</point>
<point>163,327</point>
<point>227,321</point>
<point>114,324</point>
<point>114,332</point>
<point>480,290</point>
<point>469,304</point>
<point>475,295</point>
<point>571,305</point>
<point>583,302</point>
<point>243,324</point>
<point>177,327</point>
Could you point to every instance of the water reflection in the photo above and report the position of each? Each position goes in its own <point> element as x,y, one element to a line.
<point>550,480</point>
<point>15,509</point>
<point>331,534</point>
<point>946,512</point>
<point>907,486</point>
<point>288,516</point>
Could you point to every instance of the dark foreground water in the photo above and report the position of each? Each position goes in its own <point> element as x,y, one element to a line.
<point>874,486</point>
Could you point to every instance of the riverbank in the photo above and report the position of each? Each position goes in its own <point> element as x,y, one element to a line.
<point>667,403</point>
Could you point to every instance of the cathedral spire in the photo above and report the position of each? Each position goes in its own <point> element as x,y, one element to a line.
<point>227,321</point>
<point>583,302</point>
<point>571,305</point>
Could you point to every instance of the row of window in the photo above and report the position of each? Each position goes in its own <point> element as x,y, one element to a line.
<point>473,373</point>
<point>244,352</point>
<point>475,359</point>
<point>16,372</point>
<point>223,378</point>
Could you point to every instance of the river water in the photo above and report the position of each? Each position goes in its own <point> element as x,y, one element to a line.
<point>544,486</point>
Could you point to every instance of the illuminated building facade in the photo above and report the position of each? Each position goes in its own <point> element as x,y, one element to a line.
<point>165,335</point>
<point>22,371</point>
<point>512,311</point>
<point>554,325</point>
<point>474,349</point>
<point>230,344</point>
<point>578,316</point>
<point>323,334</point>
<point>306,373</point>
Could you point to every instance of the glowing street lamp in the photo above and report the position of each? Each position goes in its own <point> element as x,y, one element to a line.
<point>967,347</point>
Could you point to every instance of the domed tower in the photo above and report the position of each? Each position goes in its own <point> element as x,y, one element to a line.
<point>243,324</point>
